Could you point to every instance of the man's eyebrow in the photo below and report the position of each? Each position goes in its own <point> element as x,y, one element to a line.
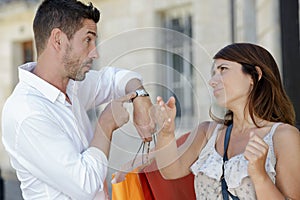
<point>91,32</point>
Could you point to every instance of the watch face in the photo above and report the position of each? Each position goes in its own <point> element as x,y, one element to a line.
<point>141,93</point>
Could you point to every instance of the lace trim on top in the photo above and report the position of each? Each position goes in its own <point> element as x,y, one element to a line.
<point>210,161</point>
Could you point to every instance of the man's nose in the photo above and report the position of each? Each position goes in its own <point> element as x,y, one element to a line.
<point>94,53</point>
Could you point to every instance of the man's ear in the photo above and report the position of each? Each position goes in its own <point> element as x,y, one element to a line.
<point>56,38</point>
<point>259,72</point>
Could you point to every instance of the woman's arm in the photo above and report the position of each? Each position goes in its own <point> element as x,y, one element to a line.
<point>287,147</point>
<point>287,151</point>
<point>175,162</point>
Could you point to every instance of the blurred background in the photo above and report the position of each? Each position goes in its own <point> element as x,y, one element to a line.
<point>171,43</point>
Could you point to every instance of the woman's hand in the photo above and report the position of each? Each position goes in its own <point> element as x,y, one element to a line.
<point>164,115</point>
<point>256,153</point>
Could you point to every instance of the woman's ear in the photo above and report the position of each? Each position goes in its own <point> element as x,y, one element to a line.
<point>259,72</point>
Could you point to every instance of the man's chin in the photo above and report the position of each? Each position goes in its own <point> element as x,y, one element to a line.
<point>80,77</point>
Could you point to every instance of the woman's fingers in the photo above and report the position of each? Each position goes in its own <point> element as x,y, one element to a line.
<point>256,153</point>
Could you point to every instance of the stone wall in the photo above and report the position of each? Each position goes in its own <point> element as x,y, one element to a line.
<point>125,23</point>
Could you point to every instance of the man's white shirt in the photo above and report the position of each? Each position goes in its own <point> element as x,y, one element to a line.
<point>48,139</point>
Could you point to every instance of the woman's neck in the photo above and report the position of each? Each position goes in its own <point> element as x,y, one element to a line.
<point>243,121</point>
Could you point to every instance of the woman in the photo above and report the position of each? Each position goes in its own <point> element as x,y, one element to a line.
<point>263,152</point>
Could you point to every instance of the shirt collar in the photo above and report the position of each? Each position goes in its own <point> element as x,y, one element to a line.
<point>48,90</point>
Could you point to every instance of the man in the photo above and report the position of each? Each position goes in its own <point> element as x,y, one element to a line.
<point>45,127</point>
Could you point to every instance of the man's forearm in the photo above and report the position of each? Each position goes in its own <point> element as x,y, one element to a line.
<point>102,138</point>
<point>133,85</point>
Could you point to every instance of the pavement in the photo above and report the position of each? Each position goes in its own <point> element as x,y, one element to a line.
<point>12,190</point>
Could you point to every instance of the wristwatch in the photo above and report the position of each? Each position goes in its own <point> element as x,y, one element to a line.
<point>140,93</point>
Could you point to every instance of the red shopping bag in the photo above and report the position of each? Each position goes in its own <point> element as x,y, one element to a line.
<point>157,188</point>
<point>146,183</point>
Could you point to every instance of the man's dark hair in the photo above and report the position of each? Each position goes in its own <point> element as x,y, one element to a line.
<point>67,15</point>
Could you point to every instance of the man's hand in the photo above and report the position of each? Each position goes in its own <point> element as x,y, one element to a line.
<point>115,115</point>
<point>141,118</point>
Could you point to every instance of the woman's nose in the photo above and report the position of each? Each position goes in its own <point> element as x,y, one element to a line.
<point>213,82</point>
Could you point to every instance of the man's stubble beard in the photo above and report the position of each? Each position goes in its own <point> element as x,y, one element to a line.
<point>72,66</point>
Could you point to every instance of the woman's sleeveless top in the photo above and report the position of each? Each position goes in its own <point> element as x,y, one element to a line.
<point>208,170</point>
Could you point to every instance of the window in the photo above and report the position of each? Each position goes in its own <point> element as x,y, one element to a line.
<point>22,53</point>
<point>178,57</point>
<point>243,20</point>
<point>27,49</point>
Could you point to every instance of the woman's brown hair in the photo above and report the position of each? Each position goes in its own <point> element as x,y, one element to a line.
<point>267,99</point>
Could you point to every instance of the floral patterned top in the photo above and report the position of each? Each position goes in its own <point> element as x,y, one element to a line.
<point>208,171</point>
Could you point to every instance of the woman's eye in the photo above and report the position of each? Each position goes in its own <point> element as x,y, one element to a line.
<point>223,68</point>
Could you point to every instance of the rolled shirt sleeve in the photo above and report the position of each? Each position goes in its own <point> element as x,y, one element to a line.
<point>101,86</point>
<point>48,139</point>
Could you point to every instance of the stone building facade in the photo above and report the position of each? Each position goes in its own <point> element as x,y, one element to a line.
<point>170,42</point>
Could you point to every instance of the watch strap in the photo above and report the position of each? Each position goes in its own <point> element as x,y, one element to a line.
<point>140,93</point>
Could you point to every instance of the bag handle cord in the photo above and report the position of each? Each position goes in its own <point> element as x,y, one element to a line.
<point>225,192</point>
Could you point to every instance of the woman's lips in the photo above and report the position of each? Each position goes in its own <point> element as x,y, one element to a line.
<point>216,91</point>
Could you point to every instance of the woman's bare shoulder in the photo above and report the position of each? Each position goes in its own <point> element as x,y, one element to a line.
<point>207,128</point>
<point>286,138</point>
<point>286,131</point>
<point>204,131</point>
<point>287,147</point>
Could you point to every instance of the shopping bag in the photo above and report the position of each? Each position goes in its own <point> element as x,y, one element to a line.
<point>155,187</point>
<point>145,182</point>
<point>126,186</point>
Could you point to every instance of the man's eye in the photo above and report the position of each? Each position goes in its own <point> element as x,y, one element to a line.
<point>88,40</point>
